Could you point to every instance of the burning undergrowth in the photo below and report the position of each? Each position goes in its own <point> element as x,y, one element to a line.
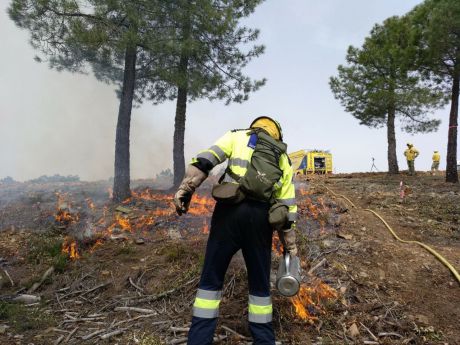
<point>89,224</point>
<point>313,293</point>
<point>317,215</point>
<point>136,266</point>
<point>92,227</point>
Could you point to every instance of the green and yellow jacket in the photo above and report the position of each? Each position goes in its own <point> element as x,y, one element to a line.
<point>234,146</point>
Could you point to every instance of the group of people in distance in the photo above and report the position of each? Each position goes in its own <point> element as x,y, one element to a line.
<point>411,153</point>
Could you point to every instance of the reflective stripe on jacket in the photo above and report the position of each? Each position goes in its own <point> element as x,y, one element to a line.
<point>411,154</point>
<point>234,146</point>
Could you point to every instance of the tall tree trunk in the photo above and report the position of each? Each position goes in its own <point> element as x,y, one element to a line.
<point>451,169</point>
<point>182,92</point>
<point>391,137</point>
<point>121,182</point>
<point>179,124</point>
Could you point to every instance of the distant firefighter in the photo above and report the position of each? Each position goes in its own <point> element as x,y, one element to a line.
<point>411,153</point>
<point>435,166</point>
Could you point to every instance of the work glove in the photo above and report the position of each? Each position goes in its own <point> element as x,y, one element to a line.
<point>278,216</point>
<point>194,177</point>
<point>287,238</point>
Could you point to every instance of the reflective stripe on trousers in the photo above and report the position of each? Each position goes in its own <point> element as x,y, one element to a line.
<point>233,227</point>
<point>207,304</point>
<point>260,309</point>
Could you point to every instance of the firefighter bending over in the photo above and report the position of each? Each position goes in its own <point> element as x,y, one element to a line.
<point>411,153</point>
<point>254,196</point>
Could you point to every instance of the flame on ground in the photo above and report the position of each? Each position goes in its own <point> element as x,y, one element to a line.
<point>63,214</point>
<point>319,212</point>
<point>205,229</point>
<point>120,222</point>
<point>65,217</point>
<point>308,302</point>
<point>160,212</point>
<point>90,203</point>
<point>304,192</point>
<point>277,246</point>
<point>69,247</point>
<point>148,194</point>
<point>311,208</point>
<point>111,228</point>
<point>201,205</point>
<point>99,242</point>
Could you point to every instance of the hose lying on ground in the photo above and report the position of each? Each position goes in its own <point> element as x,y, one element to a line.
<point>431,250</point>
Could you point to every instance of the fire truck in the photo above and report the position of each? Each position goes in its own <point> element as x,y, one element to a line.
<point>311,162</point>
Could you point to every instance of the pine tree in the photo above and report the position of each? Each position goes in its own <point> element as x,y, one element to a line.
<point>210,50</point>
<point>117,40</point>
<point>437,26</point>
<point>379,84</point>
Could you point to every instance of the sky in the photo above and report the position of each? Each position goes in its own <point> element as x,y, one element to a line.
<point>57,122</point>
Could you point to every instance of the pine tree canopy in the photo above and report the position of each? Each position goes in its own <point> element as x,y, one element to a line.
<point>381,78</point>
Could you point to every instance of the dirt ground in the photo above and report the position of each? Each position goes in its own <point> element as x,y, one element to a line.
<point>136,266</point>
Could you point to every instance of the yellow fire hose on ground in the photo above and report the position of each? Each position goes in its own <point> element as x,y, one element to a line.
<point>431,250</point>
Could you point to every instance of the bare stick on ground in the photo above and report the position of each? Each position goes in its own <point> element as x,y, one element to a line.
<point>47,273</point>
<point>8,276</point>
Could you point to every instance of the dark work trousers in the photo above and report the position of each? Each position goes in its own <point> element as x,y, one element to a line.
<point>242,226</point>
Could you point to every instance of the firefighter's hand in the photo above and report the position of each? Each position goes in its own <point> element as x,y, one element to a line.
<point>288,238</point>
<point>182,200</point>
<point>194,177</point>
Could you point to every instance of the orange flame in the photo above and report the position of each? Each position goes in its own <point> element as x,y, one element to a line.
<point>144,221</point>
<point>90,203</point>
<point>277,246</point>
<point>311,298</point>
<point>63,214</point>
<point>99,242</point>
<point>201,205</point>
<point>304,192</point>
<point>150,195</point>
<point>127,200</point>
<point>311,208</point>
<point>65,217</point>
<point>319,213</point>
<point>69,247</point>
<point>205,229</point>
<point>159,212</point>
<point>120,222</point>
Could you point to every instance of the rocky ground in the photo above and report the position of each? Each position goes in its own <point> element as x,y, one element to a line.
<point>77,269</point>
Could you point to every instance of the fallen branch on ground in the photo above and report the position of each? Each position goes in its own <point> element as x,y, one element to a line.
<point>318,265</point>
<point>8,276</point>
<point>47,273</point>
<point>138,310</point>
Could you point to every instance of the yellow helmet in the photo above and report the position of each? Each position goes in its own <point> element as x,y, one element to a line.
<point>409,145</point>
<point>270,125</point>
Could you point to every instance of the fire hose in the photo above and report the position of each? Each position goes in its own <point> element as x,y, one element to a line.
<point>428,248</point>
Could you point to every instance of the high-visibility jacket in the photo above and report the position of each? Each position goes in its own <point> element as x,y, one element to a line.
<point>436,157</point>
<point>411,154</point>
<point>234,147</point>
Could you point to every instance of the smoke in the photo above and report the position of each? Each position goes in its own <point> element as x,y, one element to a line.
<point>63,123</point>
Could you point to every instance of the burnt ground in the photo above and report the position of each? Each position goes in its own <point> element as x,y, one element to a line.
<point>138,265</point>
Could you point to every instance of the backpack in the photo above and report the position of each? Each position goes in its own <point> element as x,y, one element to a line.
<point>263,171</point>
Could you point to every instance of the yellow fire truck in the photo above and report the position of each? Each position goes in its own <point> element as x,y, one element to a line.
<point>311,162</point>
